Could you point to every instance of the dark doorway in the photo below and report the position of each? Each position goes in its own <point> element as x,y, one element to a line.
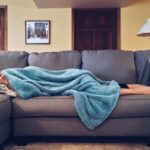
<point>96,29</point>
<point>3,26</point>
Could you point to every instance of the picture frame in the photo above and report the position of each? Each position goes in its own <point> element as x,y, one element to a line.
<point>37,32</point>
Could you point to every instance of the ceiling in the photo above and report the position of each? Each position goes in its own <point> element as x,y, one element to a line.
<point>80,3</point>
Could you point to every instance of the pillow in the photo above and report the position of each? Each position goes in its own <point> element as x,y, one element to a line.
<point>111,65</point>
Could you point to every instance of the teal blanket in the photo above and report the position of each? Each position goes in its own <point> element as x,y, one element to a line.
<point>94,99</point>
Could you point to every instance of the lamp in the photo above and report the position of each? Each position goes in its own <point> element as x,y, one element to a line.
<point>145,30</point>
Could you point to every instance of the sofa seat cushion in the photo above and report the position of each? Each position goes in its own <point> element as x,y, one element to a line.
<point>44,106</point>
<point>132,106</point>
<point>5,107</point>
<point>62,106</point>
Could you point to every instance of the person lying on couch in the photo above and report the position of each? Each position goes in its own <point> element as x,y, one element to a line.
<point>94,99</point>
<point>139,89</point>
<point>125,89</point>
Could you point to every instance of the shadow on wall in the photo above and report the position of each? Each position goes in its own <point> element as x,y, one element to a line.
<point>133,2</point>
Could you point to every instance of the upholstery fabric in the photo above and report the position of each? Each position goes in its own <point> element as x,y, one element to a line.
<point>13,59</point>
<point>44,106</point>
<point>5,107</point>
<point>132,106</point>
<point>142,60</point>
<point>56,60</point>
<point>111,65</point>
<point>5,112</point>
<point>127,106</point>
<point>69,126</point>
<point>4,130</point>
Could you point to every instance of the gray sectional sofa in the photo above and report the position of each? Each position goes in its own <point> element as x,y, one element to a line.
<point>56,116</point>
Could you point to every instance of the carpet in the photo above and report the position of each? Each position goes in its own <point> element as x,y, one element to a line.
<point>79,146</point>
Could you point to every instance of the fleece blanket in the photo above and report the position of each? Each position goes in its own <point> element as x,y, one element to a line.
<point>94,99</point>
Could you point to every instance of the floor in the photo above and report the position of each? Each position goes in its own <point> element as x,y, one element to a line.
<point>79,146</point>
<point>78,143</point>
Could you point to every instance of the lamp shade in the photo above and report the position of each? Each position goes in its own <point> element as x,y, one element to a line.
<point>145,30</point>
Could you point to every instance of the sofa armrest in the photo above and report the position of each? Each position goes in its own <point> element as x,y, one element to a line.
<point>5,112</point>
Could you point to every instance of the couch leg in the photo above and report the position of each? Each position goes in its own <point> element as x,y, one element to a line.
<point>148,141</point>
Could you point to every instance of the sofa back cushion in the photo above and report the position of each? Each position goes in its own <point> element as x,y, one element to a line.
<point>111,65</point>
<point>142,59</point>
<point>56,60</point>
<point>12,59</point>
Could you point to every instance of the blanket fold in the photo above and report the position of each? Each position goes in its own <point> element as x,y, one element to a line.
<point>94,99</point>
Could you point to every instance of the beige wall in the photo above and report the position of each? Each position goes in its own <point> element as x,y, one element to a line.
<point>21,10</point>
<point>132,18</point>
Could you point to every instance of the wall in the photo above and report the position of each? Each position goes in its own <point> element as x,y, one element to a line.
<point>133,17</point>
<point>20,10</point>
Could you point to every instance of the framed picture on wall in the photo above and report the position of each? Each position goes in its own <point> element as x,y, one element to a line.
<point>37,32</point>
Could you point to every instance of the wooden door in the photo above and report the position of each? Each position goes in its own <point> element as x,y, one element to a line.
<point>95,29</point>
<point>3,28</point>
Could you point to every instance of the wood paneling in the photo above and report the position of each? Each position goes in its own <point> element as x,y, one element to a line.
<point>95,28</point>
<point>3,26</point>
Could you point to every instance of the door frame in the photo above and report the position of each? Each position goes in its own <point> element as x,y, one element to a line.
<point>4,26</point>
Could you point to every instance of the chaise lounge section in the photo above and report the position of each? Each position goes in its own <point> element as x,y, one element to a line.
<point>56,115</point>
